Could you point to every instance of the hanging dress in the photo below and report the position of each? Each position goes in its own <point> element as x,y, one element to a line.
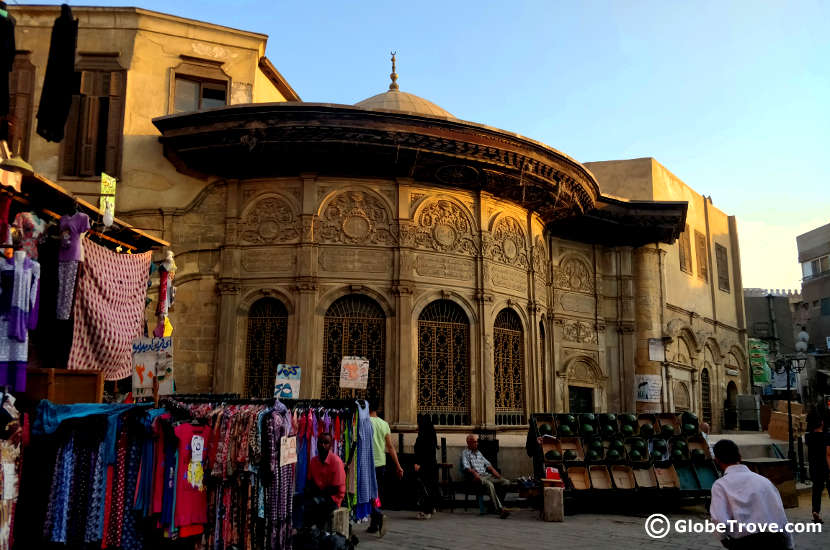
<point>367,487</point>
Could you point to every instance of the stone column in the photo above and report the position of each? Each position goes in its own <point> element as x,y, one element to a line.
<point>228,377</point>
<point>648,314</point>
<point>406,360</point>
<point>309,339</point>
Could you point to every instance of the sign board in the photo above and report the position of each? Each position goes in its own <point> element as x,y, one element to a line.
<point>152,358</point>
<point>656,349</point>
<point>287,383</point>
<point>288,450</point>
<point>758,361</point>
<point>107,194</point>
<point>354,372</point>
<point>779,381</point>
<point>649,387</point>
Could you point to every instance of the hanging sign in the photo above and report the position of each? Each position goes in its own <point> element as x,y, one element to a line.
<point>287,383</point>
<point>649,387</point>
<point>152,358</point>
<point>354,372</point>
<point>288,450</point>
<point>107,201</point>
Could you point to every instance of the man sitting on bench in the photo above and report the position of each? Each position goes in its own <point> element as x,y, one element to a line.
<point>327,486</point>
<point>481,471</point>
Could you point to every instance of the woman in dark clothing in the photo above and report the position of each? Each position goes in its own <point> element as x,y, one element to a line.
<point>426,466</point>
<point>818,455</point>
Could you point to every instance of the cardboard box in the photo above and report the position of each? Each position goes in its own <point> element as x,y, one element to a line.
<point>781,406</point>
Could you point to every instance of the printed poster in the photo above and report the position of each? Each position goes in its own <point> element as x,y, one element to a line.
<point>287,383</point>
<point>649,387</point>
<point>354,372</point>
<point>288,450</point>
<point>107,194</point>
<point>152,358</point>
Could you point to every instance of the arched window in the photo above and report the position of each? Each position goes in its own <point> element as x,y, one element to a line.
<point>508,361</point>
<point>267,329</point>
<point>444,364</point>
<point>355,325</point>
<point>682,399</point>
<point>706,396</point>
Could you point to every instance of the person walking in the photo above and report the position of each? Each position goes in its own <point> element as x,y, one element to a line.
<point>818,457</point>
<point>426,466</point>
<point>743,497</point>
<point>381,444</point>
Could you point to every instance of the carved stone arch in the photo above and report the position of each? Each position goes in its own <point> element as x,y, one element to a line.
<point>681,350</point>
<point>335,294</point>
<point>583,368</point>
<point>574,273</point>
<point>512,305</point>
<point>269,218</point>
<point>715,349</point>
<point>740,356</point>
<point>682,398</point>
<point>442,224</point>
<point>428,297</point>
<point>252,296</point>
<point>355,215</point>
<point>508,242</point>
<point>677,327</point>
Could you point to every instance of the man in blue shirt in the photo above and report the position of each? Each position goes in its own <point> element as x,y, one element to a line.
<point>481,471</point>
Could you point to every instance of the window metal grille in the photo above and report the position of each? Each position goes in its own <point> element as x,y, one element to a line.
<point>355,325</point>
<point>508,360</point>
<point>444,364</point>
<point>705,396</point>
<point>267,330</point>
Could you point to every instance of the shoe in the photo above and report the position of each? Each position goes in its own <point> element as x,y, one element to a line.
<point>817,518</point>
<point>381,526</point>
<point>422,515</point>
<point>504,514</point>
<point>373,527</point>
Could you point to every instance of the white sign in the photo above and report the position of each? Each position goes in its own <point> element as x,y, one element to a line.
<point>354,372</point>
<point>287,384</point>
<point>827,342</point>
<point>648,387</point>
<point>656,350</point>
<point>288,450</point>
<point>152,359</point>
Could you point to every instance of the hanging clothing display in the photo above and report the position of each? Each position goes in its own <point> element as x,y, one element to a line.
<point>56,96</point>
<point>19,285</point>
<point>31,229</point>
<point>10,458</point>
<point>70,255</point>
<point>366,481</point>
<point>108,310</point>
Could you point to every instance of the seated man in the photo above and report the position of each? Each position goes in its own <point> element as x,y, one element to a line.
<point>325,490</point>
<point>481,471</point>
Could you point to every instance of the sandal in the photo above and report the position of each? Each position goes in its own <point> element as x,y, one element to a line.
<point>817,518</point>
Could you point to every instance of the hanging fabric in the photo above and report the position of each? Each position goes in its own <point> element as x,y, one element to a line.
<point>56,97</point>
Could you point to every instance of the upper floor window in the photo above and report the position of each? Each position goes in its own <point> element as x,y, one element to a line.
<point>722,258</point>
<point>702,256</point>
<point>198,84</point>
<point>95,126</point>
<point>21,100</point>
<point>815,267</point>
<point>685,248</point>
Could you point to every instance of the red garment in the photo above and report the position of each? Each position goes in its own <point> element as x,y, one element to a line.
<point>329,473</point>
<point>5,205</point>
<point>191,493</point>
<point>107,505</point>
<point>158,475</point>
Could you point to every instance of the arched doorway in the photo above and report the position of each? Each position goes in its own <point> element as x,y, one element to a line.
<point>444,364</point>
<point>706,396</point>
<point>509,365</point>
<point>266,338</point>
<point>730,407</point>
<point>355,325</point>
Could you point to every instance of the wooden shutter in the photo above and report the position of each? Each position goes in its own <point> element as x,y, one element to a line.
<point>115,121</point>
<point>69,161</point>
<point>702,255</point>
<point>22,86</point>
<point>723,267</point>
<point>91,84</point>
<point>685,249</point>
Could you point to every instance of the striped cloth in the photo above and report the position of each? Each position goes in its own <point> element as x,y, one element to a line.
<point>109,310</point>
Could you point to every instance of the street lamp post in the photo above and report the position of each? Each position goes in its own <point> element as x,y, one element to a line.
<point>787,364</point>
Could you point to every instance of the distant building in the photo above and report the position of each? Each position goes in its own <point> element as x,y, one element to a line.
<point>814,256</point>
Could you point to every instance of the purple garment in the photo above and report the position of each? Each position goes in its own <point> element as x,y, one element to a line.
<point>20,282</point>
<point>72,227</point>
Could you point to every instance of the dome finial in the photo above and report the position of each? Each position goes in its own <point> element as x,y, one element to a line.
<point>394,75</point>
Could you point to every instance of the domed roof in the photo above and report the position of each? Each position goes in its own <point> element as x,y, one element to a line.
<point>396,100</point>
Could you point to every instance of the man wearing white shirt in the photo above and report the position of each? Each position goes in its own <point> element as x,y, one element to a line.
<point>746,498</point>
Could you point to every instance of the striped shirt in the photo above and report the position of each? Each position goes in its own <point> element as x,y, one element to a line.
<point>475,461</point>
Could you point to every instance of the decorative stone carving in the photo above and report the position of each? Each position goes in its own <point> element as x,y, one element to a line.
<point>273,260</point>
<point>507,277</point>
<point>457,174</point>
<point>682,399</point>
<point>427,265</point>
<point>271,220</point>
<point>540,260</point>
<point>354,260</point>
<point>574,274</point>
<point>228,287</point>
<point>579,332</point>
<point>443,226</point>
<point>577,303</point>
<point>581,370</point>
<point>508,244</point>
<point>355,217</point>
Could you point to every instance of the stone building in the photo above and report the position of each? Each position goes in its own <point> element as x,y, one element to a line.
<point>484,275</point>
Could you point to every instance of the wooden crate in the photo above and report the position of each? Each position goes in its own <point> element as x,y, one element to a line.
<point>667,477</point>
<point>623,477</point>
<point>65,386</point>
<point>579,478</point>
<point>600,478</point>
<point>572,444</point>
<point>646,478</point>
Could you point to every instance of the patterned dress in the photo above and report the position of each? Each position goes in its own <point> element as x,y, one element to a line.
<point>367,486</point>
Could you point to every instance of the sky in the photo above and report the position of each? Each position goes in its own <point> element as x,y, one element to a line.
<point>732,97</point>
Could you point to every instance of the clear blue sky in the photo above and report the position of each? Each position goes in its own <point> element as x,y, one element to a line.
<point>733,97</point>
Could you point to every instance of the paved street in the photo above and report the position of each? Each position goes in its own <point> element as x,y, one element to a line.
<point>582,531</point>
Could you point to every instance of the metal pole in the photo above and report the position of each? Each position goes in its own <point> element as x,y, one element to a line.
<point>791,452</point>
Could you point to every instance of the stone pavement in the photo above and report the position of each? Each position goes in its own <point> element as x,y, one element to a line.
<point>469,531</point>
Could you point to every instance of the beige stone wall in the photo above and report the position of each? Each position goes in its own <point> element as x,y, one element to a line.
<point>150,46</point>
